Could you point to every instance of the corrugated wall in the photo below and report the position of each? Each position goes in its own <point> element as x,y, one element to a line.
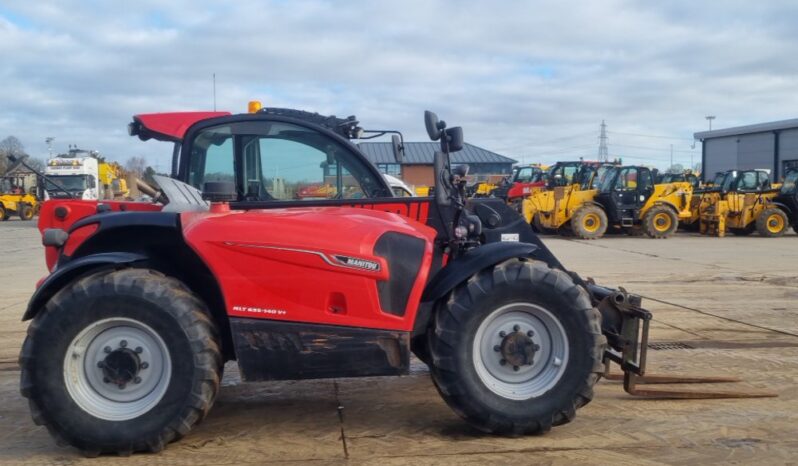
<point>742,152</point>
<point>788,150</point>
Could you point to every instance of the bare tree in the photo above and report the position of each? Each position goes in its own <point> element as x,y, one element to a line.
<point>9,146</point>
<point>36,163</point>
<point>136,165</point>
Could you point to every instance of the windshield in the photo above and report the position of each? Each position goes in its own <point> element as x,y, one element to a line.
<point>599,176</point>
<point>607,179</point>
<point>790,182</point>
<point>68,182</point>
<point>718,179</point>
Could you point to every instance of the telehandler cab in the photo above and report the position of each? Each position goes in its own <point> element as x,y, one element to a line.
<point>146,301</point>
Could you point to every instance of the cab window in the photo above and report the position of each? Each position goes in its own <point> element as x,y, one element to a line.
<point>212,157</point>
<point>748,182</point>
<point>627,180</point>
<point>525,175</point>
<point>280,161</point>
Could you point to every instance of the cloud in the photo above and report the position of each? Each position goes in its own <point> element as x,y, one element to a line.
<point>528,79</point>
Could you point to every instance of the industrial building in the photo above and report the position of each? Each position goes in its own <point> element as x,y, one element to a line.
<point>772,146</point>
<point>416,168</point>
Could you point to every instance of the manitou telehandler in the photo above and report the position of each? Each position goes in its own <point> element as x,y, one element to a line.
<point>146,301</point>
<point>744,202</point>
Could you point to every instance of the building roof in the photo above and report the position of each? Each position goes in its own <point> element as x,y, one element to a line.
<point>422,153</point>
<point>748,129</point>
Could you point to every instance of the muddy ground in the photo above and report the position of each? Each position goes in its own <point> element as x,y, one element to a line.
<point>733,311</point>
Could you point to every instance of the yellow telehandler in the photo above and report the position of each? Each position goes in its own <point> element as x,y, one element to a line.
<point>624,197</point>
<point>743,202</point>
<point>15,200</point>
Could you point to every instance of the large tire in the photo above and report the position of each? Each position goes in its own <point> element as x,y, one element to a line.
<point>3,214</point>
<point>104,337</point>
<point>660,222</point>
<point>566,363</point>
<point>772,222</point>
<point>589,222</point>
<point>25,212</point>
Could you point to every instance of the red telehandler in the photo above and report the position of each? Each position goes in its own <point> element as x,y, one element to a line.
<point>146,301</point>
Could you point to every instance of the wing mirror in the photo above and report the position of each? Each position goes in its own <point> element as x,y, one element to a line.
<point>454,139</point>
<point>434,126</point>
<point>398,148</point>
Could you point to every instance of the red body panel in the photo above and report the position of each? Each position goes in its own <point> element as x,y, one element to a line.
<point>519,189</point>
<point>76,210</point>
<point>280,263</point>
<point>173,125</point>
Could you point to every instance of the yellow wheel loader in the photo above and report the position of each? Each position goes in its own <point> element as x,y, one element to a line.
<point>744,202</point>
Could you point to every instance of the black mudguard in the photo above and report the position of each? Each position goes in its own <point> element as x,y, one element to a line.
<point>74,269</point>
<point>458,270</point>
<point>511,226</point>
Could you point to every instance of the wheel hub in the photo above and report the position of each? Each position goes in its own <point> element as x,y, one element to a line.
<point>117,369</point>
<point>518,349</point>
<point>121,366</point>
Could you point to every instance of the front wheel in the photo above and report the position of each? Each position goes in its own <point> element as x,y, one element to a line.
<point>589,222</point>
<point>660,222</point>
<point>25,212</point>
<point>121,361</point>
<point>772,222</point>
<point>517,349</point>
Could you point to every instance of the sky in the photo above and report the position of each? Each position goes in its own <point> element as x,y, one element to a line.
<point>530,80</point>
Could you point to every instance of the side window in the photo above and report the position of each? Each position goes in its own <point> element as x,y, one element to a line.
<point>295,163</point>
<point>627,180</point>
<point>748,181</point>
<point>212,157</point>
<point>569,172</point>
<point>764,181</point>
<point>644,180</point>
<point>280,161</point>
<point>524,175</point>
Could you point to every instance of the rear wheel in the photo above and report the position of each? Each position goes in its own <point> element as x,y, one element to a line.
<point>772,222</point>
<point>25,212</point>
<point>517,349</point>
<point>589,222</point>
<point>660,222</point>
<point>120,362</point>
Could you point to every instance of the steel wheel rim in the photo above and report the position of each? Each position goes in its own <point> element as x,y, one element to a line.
<point>128,340</point>
<point>775,223</point>
<point>591,223</point>
<point>529,381</point>
<point>662,222</point>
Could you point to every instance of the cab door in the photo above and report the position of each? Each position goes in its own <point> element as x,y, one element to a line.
<point>633,187</point>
